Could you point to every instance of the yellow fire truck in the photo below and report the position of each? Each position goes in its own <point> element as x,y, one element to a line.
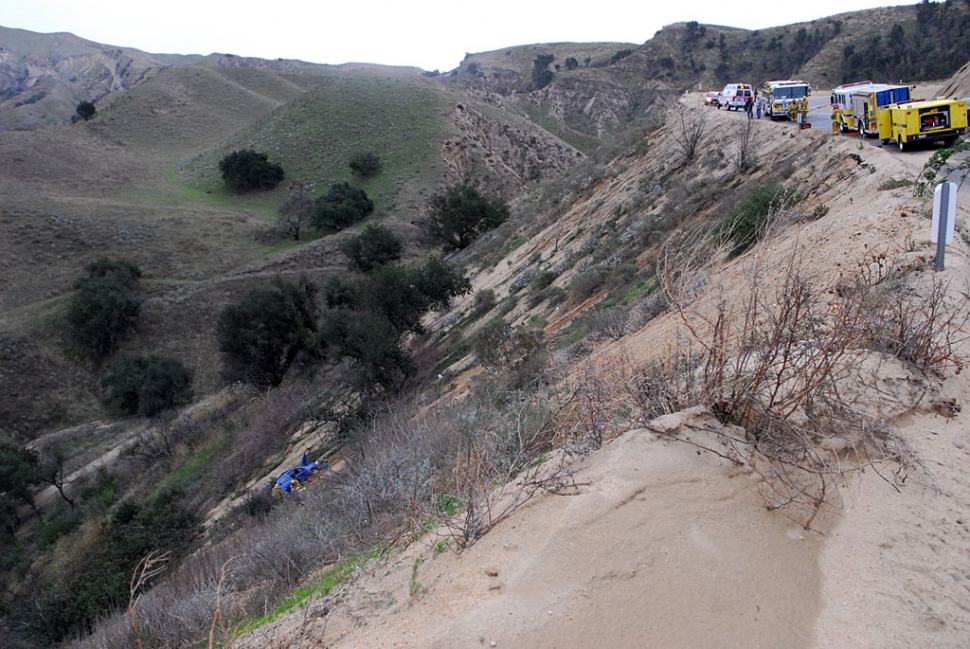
<point>913,122</point>
<point>859,103</point>
<point>779,94</point>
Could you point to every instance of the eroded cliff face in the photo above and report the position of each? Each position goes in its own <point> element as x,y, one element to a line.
<point>959,84</point>
<point>501,156</point>
<point>589,109</point>
<point>41,84</point>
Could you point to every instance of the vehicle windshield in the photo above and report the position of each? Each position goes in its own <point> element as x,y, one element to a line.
<point>790,92</point>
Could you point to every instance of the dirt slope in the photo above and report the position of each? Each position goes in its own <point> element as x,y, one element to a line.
<point>959,85</point>
<point>663,545</point>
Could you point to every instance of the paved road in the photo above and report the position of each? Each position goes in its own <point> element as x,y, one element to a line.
<point>820,117</point>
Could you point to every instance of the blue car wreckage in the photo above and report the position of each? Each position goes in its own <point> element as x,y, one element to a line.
<point>296,479</point>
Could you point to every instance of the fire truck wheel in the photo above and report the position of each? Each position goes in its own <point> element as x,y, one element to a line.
<point>899,141</point>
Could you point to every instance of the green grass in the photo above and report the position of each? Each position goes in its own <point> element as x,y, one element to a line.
<point>583,142</point>
<point>319,587</point>
<point>198,466</point>
<point>315,136</point>
<point>643,286</point>
<point>440,547</point>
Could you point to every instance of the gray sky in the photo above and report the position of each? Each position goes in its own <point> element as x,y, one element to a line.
<point>431,34</point>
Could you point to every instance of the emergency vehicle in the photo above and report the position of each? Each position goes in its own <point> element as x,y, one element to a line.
<point>912,122</point>
<point>779,94</point>
<point>859,103</point>
<point>735,95</point>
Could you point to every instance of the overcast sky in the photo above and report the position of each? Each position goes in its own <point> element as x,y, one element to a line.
<point>430,34</point>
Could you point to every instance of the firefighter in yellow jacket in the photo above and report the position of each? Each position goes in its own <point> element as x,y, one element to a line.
<point>803,110</point>
<point>792,111</point>
<point>836,119</point>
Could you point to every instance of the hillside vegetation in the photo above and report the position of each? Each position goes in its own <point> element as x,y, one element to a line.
<point>425,377</point>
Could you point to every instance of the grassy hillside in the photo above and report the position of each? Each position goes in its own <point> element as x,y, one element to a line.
<point>397,116</point>
<point>140,182</point>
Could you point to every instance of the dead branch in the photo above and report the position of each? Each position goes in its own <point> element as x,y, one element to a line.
<point>147,569</point>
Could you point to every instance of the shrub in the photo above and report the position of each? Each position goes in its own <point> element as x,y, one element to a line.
<point>375,246</point>
<point>402,295</point>
<point>370,343</point>
<point>490,340</point>
<point>522,280</point>
<point>541,280</point>
<point>86,110</point>
<point>146,386</point>
<point>571,63</point>
<point>262,335</point>
<point>538,285</point>
<point>340,207</point>
<point>104,308</point>
<point>610,322</point>
<point>584,285</point>
<point>102,492</point>
<point>620,55</point>
<point>247,170</point>
<point>461,214</point>
<point>439,281</point>
<point>895,183</point>
<point>745,224</point>
<point>542,78</point>
<point>102,575</point>
<point>519,353</point>
<point>365,165</point>
<point>541,74</point>
<point>18,473</point>
<point>295,212</point>
<point>368,316</point>
<point>484,302</point>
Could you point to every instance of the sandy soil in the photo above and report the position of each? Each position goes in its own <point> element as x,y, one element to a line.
<point>655,551</point>
<point>664,545</point>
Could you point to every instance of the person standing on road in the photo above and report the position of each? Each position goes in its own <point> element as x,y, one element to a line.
<point>792,111</point>
<point>836,119</point>
<point>803,109</point>
<point>758,104</point>
<point>748,106</point>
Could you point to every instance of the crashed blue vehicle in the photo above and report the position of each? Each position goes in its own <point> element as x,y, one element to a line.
<point>296,478</point>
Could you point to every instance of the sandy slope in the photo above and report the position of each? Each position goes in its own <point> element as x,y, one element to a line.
<point>656,551</point>
<point>666,546</point>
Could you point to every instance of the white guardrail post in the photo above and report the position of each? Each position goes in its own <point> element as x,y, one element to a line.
<point>944,216</point>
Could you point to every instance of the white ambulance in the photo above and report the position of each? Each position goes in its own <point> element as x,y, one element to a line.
<point>735,95</point>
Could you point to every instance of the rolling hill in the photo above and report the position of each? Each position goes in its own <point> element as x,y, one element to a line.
<point>585,144</point>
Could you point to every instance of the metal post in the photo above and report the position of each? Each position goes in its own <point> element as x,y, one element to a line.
<point>941,233</point>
